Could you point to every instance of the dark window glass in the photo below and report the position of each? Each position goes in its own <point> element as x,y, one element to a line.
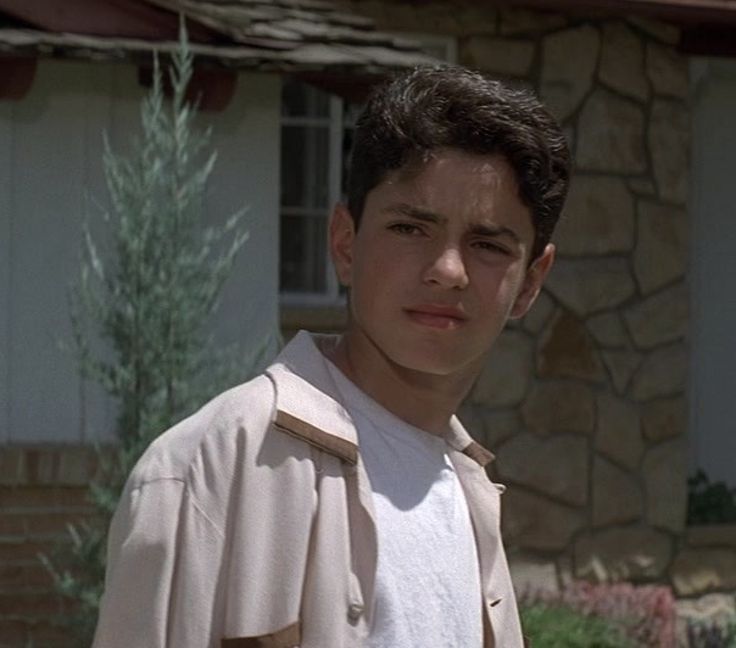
<point>301,100</point>
<point>303,253</point>
<point>304,166</point>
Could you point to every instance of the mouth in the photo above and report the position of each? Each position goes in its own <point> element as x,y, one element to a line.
<point>435,316</point>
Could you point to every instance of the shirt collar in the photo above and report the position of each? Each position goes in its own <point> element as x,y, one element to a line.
<point>308,405</point>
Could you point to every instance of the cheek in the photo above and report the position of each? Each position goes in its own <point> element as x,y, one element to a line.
<point>380,263</point>
<point>501,287</point>
<point>378,282</point>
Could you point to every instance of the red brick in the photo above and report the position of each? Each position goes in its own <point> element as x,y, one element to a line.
<point>33,523</point>
<point>29,573</point>
<point>41,463</point>
<point>12,552</point>
<point>52,636</point>
<point>77,466</point>
<point>13,525</point>
<point>18,633</point>
<point>52,523</point>
<point>21,497</point>
<point>13,632</point>
<point>46,499</point>
<point>31,604</point>
<point>48,464</point>
<point>12,465</point>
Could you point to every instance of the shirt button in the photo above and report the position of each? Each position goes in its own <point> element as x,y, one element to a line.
<point>355,610</point>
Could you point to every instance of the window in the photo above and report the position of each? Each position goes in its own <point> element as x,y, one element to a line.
<point>316,132</point>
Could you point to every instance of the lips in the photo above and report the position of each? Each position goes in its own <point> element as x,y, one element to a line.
<point>437,316</point>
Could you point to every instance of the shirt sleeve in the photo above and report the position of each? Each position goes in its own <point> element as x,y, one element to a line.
<point>141,562</point>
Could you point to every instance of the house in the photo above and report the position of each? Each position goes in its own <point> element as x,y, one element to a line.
<point>598,404</point>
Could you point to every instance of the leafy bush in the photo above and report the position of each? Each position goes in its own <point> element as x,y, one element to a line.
<point>559,626</point>
<point>644,614</point>
<point>709,502</point>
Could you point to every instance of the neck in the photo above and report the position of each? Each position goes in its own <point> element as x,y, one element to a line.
<point>426,401</point>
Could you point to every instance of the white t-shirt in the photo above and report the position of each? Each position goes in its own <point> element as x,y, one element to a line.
<point>428,592</point>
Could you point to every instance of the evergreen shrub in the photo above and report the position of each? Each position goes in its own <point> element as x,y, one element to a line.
<point>145,296</point>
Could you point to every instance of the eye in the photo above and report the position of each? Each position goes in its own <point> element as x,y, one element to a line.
<point>490,246</point>
<point>407,229</point>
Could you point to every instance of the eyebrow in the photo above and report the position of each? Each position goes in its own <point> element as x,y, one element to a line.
<point>428,216</point>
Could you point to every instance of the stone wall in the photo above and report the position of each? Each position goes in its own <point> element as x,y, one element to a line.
<point>706,561</point>
<point>584,400</point>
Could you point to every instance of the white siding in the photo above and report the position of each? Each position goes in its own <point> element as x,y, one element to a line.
<point>48,186</point>
<point>713,262</point>
<point>6,225</point>
<point>51,177</point>
<point>247,140</point>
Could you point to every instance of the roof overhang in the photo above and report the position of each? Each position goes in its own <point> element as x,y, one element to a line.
<point>307,58</point>
<point>289,36</point>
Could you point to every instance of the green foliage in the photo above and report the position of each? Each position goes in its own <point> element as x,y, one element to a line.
<point>152,303</point>
<point>645,615</point>
<point>709,502</point>
<point>147,296</point>
<point>79,574</point>
<point>559,626</point>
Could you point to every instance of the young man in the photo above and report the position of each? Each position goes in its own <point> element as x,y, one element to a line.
<point>336,501</point>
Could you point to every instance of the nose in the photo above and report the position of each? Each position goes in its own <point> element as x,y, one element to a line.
<point>447,269</point>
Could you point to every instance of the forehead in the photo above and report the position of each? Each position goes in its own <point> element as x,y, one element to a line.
<point>457,185</point>
<point>436,171</point>
<point>449,160</point>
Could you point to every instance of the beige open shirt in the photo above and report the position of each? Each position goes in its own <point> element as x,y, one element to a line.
<point>250,524</point>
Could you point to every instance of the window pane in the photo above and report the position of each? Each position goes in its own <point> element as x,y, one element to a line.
<point>303,253</point>
<point>301,100</point>
<point>304,166</point>
<point>350,117</point>
<point>351,113</point>
<point>347,147</point>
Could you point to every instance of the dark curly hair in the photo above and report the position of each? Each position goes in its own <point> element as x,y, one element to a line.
<point>446,106</point>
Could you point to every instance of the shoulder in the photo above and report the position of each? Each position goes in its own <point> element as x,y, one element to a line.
<point>215,433</point>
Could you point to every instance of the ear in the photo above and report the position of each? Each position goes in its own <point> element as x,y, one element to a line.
<point>342,237</point>
<point>535,276</point>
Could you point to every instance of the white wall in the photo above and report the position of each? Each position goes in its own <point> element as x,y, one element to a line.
<point>50,177</point>
<point>713,277</point>
<point>6,222</point>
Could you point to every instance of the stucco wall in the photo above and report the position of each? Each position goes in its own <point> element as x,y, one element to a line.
<point>51,177</point>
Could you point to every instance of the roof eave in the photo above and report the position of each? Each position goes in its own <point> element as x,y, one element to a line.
<point>305,57</point>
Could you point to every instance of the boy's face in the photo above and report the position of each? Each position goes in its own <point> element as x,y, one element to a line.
<point>440,262</point>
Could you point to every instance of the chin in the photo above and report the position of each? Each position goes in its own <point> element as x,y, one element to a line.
<point>429,362</point>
